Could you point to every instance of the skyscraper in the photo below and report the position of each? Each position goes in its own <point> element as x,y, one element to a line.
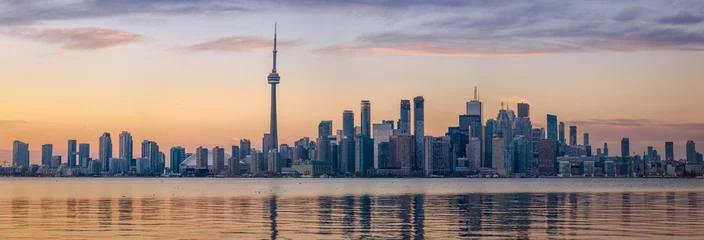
<point>364,153</point>
<point>20,154</point>
<point>518,155</point>
<point>325,128</point>
<point>105,151</point>
<point>245,148</point>
<point>475,114</point>
<point>573,135</point>
<point>438,155</point>
<point>669,151</point>
<point>218,160</point>
<point>401,152</point>
<point>404,123</point>
<point>606,149</point>
<point>419,129</point>
<point>126,146</point>
<point>235,152</point>
<point>489,131</point>
<point>47,153</point>
<point>348,123</point>
<point>366,118</point>
<point>84,154</point>
<point>498,155</point>
<point>274,164</point>
<point>381,132</point>
<point>150,150</point>
<point>691,152</point>
<point>547,157</point>
<point>586,139</point>
<point>273,80</point>
<point>625,147</point>
<point>265,152</point>
<point>178,154</point>
<point>552,127</point>
<point>562,133</point>
<point>201,158</point>
<point>71,153</point>
<point>523,110</point>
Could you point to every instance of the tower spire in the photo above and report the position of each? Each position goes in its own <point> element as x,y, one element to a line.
<point>475,93</point>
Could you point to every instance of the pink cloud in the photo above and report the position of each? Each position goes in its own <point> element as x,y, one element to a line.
<point>238,44</point>
<point>428,49</point>
<point>77,38</point>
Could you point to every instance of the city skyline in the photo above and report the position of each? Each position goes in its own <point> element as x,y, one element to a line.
<point>206,95</point>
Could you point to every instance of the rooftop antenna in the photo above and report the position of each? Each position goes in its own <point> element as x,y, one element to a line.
<point>475,93</point>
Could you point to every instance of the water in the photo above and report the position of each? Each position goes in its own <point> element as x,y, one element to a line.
<point>112,208</point>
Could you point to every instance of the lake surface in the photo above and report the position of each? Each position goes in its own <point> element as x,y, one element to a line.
<point>130,208</point>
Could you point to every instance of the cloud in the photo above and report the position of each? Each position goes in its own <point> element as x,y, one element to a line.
<point>76,38</point>
<point>238,44</point>
<point>24,12</point>
<point>683,18</point>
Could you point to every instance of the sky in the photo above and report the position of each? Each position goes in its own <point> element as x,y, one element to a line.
<point>193,72</point>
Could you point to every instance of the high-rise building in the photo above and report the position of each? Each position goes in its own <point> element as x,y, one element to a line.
<point>347,154</point>
<point>537,135</point>
<point>489,132</point>
<point>606,149</point>
<point>401,152</point>
<point>274,164</point>
<point>256,162</point>
<point>20,154</point>
<point>84,154</point>
<point>235,152</point>
<point>691,152</point>
<point>523,127</point>
<point>498,154</point>
<point>586,139</point>
<point>273,79</point>
<point>322,148</point>
<point>178,154</point>
<point>348,123</point>
<point>218,160</point>
<point>518,155</point>
<point>625,147</point>
<point>523,110</point>
<point>105,151</point>
<point>438,155</point>
<point>419,129</point>
<point>47,153</point>
<point>265,151</point>
<point>233,165</point>
<point>475,115</point>
<point>55,162</point>
<point>404,123</point>
<point>381,132</point>
<point>245,148</point>
<point>573,135</point>
<point>201,158</point>
<point>150,150</point>
<point>364,153</point>
<point>547,162</point>
<point>552,127</point>
<point>366,118</point>
<point>562,133</point>
<point>669,151</point>
<point>71,153</point>
<point>325,128</point>
<point>474,154</point>
<point>126,146</point>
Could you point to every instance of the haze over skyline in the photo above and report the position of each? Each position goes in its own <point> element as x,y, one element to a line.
<point>192,73</point>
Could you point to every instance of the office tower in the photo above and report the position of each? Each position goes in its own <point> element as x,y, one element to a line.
<point>322,148</point>
<point>143,166</point>
<point>419,129</point>
<point>498,154</point>
<point>347,154</point>
<point>178,154</point>
<point>524,127</point>
<point>364,153</point>
<point>475,114</point>
<point>245,148</point>
<point>438,155</point>
<point>523,110</point>
<point>489,131</point>
<point>312,152</point>
<point>285,155</point>
<point>599,153</point>
<point>459,138</point>
<point>274,161</point>
<point>474,154</point>
<point>586,139</point>
<point>218,160</point>
<point>150,150</point>
<point>273,80</point>
<point>126,146</point>
<point>20,154</point>
<point>47,153</point>
<point>606,149</point>
<point>552,127</point>
<point>505,122</point>
<point>519,155</point>
<point>381,132</point>
<point>625,147</point>
<point>255,162</point>
<point>547,162</point>
<point>562,133</point>
<point>402,152</point>
<point>71,153</point>
<point>348,123</point>
<point>84,154</point>
<point>325,128</point>
<point>265,151</point>
<point>235,152</point>
<point>691,152</point>
<point>669,151</point>
<point>105,151</point>
<point>573,135</point>
<point>404,123</point>
<point>366,118</point>
<point>55,162</point>
<point>233,165</point>
<point>650,155</point>
<point>537,135</point>
<point>201,158</point>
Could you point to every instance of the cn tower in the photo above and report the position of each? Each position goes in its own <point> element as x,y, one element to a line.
<point>273,79</point>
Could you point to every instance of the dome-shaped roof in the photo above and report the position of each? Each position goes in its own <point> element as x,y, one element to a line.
<point>190,162</point>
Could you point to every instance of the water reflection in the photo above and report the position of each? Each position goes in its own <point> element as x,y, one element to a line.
<point>409,216</point>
